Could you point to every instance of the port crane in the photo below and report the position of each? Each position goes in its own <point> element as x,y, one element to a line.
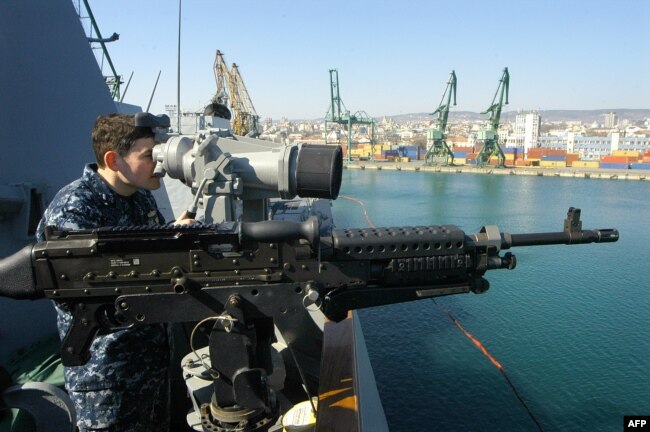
<point>232,92</point>
<point>222,77</point>
<point>342,116</point>
<point>245,120</point>
<point>438,152</point>
<point>490,136</point>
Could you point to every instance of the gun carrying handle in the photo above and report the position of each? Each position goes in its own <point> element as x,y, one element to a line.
<point>277,230</point>
<point>17,276</point>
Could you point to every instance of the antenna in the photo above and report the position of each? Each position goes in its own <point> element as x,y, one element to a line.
<point>178,72</point>
<point>127,87</point>
<point>153,91</point>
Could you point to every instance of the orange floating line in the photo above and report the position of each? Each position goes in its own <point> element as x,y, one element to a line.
<point>494,361</point>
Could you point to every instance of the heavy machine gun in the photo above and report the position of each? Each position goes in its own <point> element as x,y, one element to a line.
<point>250,276</point>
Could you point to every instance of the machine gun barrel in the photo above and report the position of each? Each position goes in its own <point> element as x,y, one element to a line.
<point>556,238</point>
<point>572,234</point>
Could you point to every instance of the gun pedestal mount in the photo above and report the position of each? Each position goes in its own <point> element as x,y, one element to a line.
<point>240,355</point>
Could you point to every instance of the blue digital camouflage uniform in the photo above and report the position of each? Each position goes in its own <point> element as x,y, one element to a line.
<point>125,384</point>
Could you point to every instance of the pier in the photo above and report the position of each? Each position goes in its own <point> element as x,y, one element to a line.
<point>583,173</point>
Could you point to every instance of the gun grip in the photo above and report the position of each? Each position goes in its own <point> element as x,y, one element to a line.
<point>75,347</point>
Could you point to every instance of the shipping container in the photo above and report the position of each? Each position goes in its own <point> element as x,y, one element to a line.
<point>538,152</point>
<point>586,164</point>
<point>637,165</point>
<point>412,152</point>
<point>571,157</point>
<point>391,153</point>
<point>460,154</point>
<point>614,165</point>
<point>554,158</point>
<point>522,162</point>
<point>630,153</point>
<point>552,163</point>
<point>460,161</point>
<point>465,149</point>
<point>618,159</point>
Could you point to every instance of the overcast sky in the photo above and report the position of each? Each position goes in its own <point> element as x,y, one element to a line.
<point>393,57</point>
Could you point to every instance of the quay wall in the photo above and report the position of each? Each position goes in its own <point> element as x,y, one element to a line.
<point>584,173</point>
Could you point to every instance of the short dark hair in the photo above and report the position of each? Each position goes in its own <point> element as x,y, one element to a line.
<point>116,132</point>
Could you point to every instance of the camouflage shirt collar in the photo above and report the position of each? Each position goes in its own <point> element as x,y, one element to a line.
<point>99,186</point>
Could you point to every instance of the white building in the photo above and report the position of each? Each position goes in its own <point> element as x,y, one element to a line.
<point>611,120</point>
<point>527,130</point>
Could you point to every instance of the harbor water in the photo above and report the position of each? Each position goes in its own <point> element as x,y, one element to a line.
<point>570,325</point>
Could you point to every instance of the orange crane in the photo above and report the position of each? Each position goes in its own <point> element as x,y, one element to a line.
<point>245,119</point>
<point>232,93</point>
<point>222,77</point>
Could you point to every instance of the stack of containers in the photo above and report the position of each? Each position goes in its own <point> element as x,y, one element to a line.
<point>390,155</point>
<point>380,151</point>
<point>536,153</point>
<point>644,162</point>
<point>512,154</point>
<point>460,157</point>
<point>646,157</point>
<point>494,160</point>
<point>361,151</point>
<point>571,158</point>
<point>640,165</point>
<point>616,162</point>
<point>552,161</point>
<point>411,152</point>
<point>465,149</point>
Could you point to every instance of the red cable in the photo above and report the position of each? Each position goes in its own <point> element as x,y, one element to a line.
<point>494,361</point>
<point>363,207</point>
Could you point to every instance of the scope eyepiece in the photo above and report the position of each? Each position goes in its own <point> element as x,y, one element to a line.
<point>319,171</point>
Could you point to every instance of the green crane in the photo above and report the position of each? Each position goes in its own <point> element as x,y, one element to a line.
<point>336,115</point>
<point>438,152</point>
<point>490,136</point>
